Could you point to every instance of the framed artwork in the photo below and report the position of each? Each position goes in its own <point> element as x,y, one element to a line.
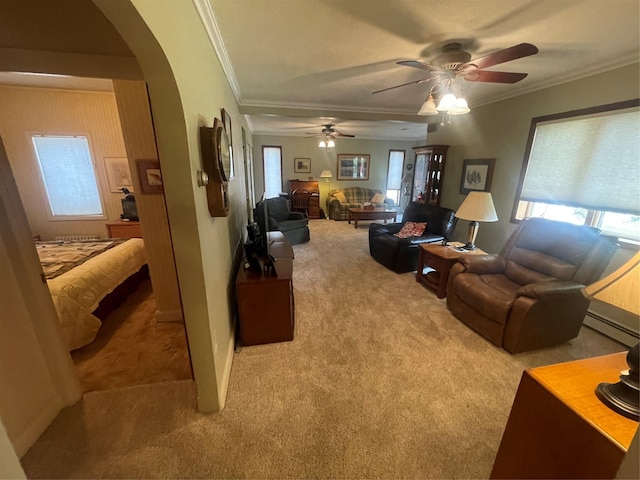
<point>150,176</point>
<point>476,175</point>
<point>353,166</point>
<point>118,174</point>
<point>226,119</point>
<point>302,165</point>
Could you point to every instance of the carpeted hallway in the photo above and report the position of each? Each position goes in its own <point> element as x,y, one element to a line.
<point>381,381</point>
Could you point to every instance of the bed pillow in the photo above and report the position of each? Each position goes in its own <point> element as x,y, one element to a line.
<point>340,196</point>
<point>377,198</point>
<point>411,229</point>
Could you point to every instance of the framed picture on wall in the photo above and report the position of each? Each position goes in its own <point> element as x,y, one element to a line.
<point>150,176</point>
<point>118,174</point>
<point>353,166</point>
<point>477,175</point>
<point>302,165</point>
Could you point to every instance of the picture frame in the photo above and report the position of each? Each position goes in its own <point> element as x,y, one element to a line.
<point>353,166</point>
<point>150,176</point>
<point>477,175</point>
<point>118,174</point>
<point>302,165</point>
<point>226,119</point>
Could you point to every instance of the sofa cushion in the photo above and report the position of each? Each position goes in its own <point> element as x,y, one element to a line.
<point>340,196</point>
<point>411,229</point>
<point>378,198</point>
<point>488,294</point>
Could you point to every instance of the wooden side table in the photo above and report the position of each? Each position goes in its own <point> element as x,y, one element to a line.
<point>441,258</point>
<point>120,229</point>
<point>559,429</point>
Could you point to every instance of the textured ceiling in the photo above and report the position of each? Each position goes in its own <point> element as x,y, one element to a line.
<point>295,65</point>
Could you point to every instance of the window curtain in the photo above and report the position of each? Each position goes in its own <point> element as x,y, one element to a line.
<point>394,176</point>
<point>592,161</point>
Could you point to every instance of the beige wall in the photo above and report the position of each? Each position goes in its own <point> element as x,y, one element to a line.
<point>322,159</point>
<point>28,110</point>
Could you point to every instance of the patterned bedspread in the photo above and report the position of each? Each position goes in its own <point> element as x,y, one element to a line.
<point>57,258</point>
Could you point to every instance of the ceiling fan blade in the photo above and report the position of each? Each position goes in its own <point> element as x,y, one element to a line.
<point>419,65</point>
<point>405,84</point>
<point>338,134</point>
<point>494,77</point>
<point>512,53</point>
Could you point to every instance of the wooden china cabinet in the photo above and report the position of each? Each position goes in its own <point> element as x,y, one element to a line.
<point>428,173</point>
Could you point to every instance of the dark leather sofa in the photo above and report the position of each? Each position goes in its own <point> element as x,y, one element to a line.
<point>401,254</point>
<point>293,225</point>
<point>529,295</point>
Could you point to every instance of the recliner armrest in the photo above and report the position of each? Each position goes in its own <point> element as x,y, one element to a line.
<point>482,264</point>
<point>548,289</point>
<point>387,229</point>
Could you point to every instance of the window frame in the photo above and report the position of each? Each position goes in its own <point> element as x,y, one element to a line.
<point>264,175</point>
<point>593,217</point>
<point>43,184</point>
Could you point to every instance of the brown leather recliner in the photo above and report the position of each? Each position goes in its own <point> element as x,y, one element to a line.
<point>529,295</point>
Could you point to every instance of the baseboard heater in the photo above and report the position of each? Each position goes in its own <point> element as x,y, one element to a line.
<point>612,329</point>
<point>77,237</point>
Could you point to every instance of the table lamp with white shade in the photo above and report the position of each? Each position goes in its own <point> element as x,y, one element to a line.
<point>621,289</point>
<point>477,207</point>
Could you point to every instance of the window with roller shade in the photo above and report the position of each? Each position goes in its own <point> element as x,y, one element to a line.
<point>69,177</point>
<point>394,175</point>
<point>584,167</point>
<point>272,165</point>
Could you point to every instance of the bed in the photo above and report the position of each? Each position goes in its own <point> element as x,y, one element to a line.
<point>81,274</point>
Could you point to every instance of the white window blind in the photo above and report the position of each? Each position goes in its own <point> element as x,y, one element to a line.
<point>272,162</point>
<point>591,161</point>
<point>68,174</point>
<point>394,175</point>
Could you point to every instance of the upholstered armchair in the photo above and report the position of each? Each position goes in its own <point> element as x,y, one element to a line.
<point>401,254</point>
<point>529,295</point>
<point>293,225</point>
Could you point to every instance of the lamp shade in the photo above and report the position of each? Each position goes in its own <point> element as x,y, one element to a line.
<point>428,107</point>
<point>326,174</point>
<point>447,102</point>
<point>478,206</point>
<point>619,288</point>
<point>460,107</point>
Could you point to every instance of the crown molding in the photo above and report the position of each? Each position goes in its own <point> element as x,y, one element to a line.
<point>205,11</point>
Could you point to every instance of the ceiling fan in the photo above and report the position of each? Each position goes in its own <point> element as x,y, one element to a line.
<point>328,132</point>
<point>454,62</point>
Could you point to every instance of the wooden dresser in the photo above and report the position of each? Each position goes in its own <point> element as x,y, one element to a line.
<point>265,302</point>
<point>314,199</point>
<point>120,229</point>
<point>559,429</point>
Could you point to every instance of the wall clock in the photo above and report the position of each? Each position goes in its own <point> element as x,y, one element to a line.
<point>216,163</point>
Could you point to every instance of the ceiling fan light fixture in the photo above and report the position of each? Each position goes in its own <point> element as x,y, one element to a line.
<point>428,107</point>
<point>331,144</point>
<point>322,144</point>
<point>460,107</point>
<point>447,103</point>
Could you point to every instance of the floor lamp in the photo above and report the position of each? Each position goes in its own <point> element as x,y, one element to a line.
<point>620,289</point>
<point>326,174</point>
<point>477,207</point>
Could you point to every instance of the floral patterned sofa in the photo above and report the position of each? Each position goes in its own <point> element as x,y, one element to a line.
<point>354,197</point>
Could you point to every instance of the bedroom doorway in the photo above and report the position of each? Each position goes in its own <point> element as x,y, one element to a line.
<point>131,347</point>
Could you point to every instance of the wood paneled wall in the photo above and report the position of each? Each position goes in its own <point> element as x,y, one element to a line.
<point>26,111</point>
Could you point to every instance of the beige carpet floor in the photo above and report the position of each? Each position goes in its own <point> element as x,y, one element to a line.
<point>131,348</point>
<point>381,381</point>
